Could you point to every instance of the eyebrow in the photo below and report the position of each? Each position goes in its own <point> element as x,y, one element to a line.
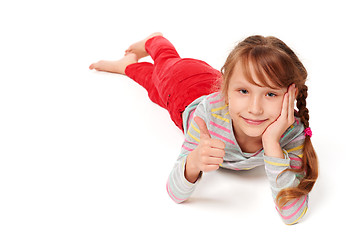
<point>251,84</point>
<point>273,89</point>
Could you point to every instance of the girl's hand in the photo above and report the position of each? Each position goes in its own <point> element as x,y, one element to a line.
<point>206,156</point>
<point>275,130</point>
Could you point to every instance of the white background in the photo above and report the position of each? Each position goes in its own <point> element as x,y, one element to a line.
<point>86,155</point>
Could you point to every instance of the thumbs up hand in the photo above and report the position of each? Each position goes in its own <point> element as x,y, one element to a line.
<point>206,156</point>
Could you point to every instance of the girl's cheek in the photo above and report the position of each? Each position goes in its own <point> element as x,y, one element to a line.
<point>277,109</point>
<point>232,105</point>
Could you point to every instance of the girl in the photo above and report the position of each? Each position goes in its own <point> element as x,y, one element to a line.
<point>238,119</point>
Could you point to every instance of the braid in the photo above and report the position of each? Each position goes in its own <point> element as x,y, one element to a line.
<point>309,159</point>
<point>301,105</point>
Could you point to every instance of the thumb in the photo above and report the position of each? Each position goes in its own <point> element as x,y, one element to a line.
<point>204,132</point>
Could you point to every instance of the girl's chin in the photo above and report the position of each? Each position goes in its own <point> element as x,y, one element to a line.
<point>253,132</point>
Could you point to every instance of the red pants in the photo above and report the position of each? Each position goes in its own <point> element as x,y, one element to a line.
<point>173,82</point>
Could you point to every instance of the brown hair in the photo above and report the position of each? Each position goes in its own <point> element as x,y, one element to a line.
<point>272,59</point>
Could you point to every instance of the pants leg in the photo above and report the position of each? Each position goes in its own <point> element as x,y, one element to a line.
<point>142,73</point>
<point>164,55</point>
<point>173,82</point>
<point>150,76</point>
<point>165,59</point>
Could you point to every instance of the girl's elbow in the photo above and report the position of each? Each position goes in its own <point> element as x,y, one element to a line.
<point>176,199</point>
<point>298,219</point>
<point>173,195</point>
<point>294,212</point>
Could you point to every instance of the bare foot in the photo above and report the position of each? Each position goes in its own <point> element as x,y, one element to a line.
<point>118,66</point>
<point>139,47</point>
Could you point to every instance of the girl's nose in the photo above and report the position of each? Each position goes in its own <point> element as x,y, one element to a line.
<point>255,106</point>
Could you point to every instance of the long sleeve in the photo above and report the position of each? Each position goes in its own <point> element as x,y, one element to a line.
<point>294,210</point>
<point>178,187</point>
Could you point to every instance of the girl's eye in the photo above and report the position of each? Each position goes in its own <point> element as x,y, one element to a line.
<point>271,94</point>
<point>243,91</point>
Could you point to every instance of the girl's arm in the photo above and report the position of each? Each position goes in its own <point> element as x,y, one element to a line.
<point>278,159</point>
<point>178,187</point>
<point>293,211</point>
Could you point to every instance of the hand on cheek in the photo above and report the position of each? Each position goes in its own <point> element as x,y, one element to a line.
<point>286,118</point>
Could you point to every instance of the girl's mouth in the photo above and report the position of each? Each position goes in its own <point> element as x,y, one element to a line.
<point>253,122</point>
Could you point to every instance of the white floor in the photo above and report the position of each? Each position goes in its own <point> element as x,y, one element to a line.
<point>86,155</point>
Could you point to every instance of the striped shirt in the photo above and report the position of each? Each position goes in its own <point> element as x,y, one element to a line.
<point>213,110</point>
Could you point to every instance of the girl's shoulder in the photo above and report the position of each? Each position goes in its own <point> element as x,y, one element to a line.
<point>207,102</point>
<point>214,98</point>
<point>216,112</point>
<point>197,107</point>
<point>207,107</point>
<point>214,103</point>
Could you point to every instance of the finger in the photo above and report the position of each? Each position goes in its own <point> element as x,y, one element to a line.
<point>216,153</point>
<point>212,161</point>
<point>209,168</point>
<point>204,132</point>
<point>291,101</point>
<point>217,143</point>
<point>285,106</point>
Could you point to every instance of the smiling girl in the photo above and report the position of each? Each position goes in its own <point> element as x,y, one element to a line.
<point>238,119</point>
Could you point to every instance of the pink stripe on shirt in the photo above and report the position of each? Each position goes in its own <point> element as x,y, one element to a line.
<point>293,214</point>
<point>191,142</point>
<point>173,197</point>
<point>213,102</point>
<point>186,148</point>
<point>219,126</point>
<point>222,137</point>
<point>215,95</point>
<point>190,119</point>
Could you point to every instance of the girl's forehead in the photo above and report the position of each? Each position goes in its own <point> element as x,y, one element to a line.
<point>249,76</point>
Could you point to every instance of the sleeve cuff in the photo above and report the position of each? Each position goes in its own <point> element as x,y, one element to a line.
<point>179,188</point>
<point>278,162</point>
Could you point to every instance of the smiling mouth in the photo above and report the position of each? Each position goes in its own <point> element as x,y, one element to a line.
<point>253,122</point>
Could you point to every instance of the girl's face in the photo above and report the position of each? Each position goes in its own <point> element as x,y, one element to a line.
<point>252,108</point>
